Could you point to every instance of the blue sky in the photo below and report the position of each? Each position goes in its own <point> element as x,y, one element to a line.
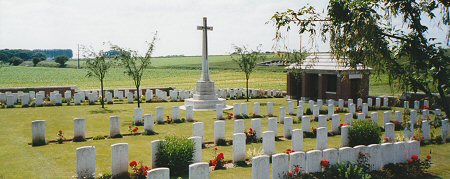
<point>48,24</point>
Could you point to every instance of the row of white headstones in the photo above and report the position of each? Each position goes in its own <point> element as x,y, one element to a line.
<point>378,155</point>
<point>10,99</point>
<point>148,120</point>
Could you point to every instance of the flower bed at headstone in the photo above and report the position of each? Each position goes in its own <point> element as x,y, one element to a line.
<point>414,168</point>
<point>139,170</point>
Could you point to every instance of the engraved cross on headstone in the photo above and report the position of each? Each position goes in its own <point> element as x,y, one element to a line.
<point>205,65</point>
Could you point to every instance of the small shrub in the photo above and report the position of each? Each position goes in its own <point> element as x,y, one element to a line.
<point>221,142</point>
<point>149,132</point>
<point>117,136</point>
<point>251,136</point>
<point>364,132</point>
<point>308,111</point>
<point>176,153</point>
<point>99,137</point>
<point>105,176</point>
<point>60,137</point>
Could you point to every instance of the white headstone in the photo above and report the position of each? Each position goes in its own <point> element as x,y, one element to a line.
<point>268,143</point>
<point>416,105</point>
<point>256,108</point>
<point>348,118</point>
<point>160,115</point>
<point>38,132</point>
<point>369,102</point>
<point>444,129</point>
<point>413,117</point>
<point>374,156</point>
<point>341,103</point>
<point>119,160</point>
<point>387,153</point>
<point>149,123</point>
<point>313,159</point>
<point>319,103</point>
<point>330,110</point>
<point>10,101</point>
<point>361,116</point>
<point>198,130</point>
<point>365,109</point>
<point>387,116</point>
<point>39,99</point>
<point>159,173</point>
<point>322,138</point>
<point>273,125</point>
<point>25,100</point>
<point>239,126</point>
<point>239,150</point>
<point>86,162</point>
<point>374,117</point>
<point>377,102</point>
<point>199,170</point>
<point>197,149</point>
<point>79,133</point>
<point>114,126</point>
<point>386,102</point>
<point>315,110</point>
<point>290,107</point>
<point>219,131</point>
<point>359,103</point>
<point>137,115</point>
<point>175,112</point>
<point>406,104</point>
<point>389,131</point>
<point>297,159</point>
<point>426,130</point>
<point>256,126</point>
<point>351,108</point>
<point>335,123</point>
<point>148,95</point>
<point>288,126</point>
<point>398,116</point>
<point>219,111</point>
<point>282,114</point>
<point>347,155</point>
<point>244,107</point>
<point>270,109</point>
<point>300,111</point>
<point>332,155</point>
<point>280,165</point>
<point>297,140</point>
<point>401,152</point>
<point>130,97</point>
<point>236,109</point>
<point>261,167</point>
<point>322,121</point>
<point>306,124</point>
<point>344,135</point>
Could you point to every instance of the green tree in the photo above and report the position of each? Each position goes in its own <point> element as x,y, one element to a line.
<point>15,61</point>
<point>362,31</point>
<point>98,66</point>
<point>135,64</point>
<point>61,60</point>
<point>246,59</point>
<point>36,60</point>
<point>296,58</point>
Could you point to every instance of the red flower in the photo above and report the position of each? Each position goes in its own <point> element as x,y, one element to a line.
<point>386,139</point>
<point>133,163</point>
<point>324,163</point>
<point>215,148</point>
<point>426,107</point>
<point>410,162</point>
<point>250,130</point>
<point>129,127</point>
<point>220,156</point>
<point>291,174</point>
<point>145,173</point>
<point>414,157</point>
<point>296,169</point>
<point>423,138</point>
<point>429,157</point>
<point>288,151</point>
<point>135,129</point>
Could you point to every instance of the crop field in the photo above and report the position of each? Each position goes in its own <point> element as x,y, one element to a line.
<point>177,72</point>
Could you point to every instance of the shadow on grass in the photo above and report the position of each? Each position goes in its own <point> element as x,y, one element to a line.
<point>105,111</point>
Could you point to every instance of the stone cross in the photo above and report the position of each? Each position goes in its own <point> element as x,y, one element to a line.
<point>205,65</point>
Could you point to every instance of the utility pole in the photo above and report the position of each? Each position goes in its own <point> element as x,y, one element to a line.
<point>78,54</point>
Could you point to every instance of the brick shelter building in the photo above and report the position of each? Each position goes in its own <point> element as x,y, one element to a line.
<point>325,77</point>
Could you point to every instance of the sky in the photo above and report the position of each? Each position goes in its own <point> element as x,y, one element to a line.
<point>63,24</point>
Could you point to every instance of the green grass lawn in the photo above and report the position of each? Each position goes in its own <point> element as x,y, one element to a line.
<point>178,72</point>
<point>20,160</point>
